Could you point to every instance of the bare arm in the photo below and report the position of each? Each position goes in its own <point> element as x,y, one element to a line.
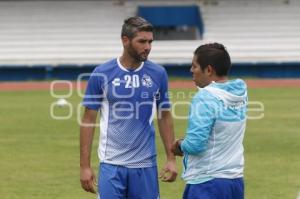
<point>166,130</point>
<point>87,128</point>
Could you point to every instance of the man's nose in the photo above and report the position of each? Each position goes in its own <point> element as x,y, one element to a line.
<point>147,46</point>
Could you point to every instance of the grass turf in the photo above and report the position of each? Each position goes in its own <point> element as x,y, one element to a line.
<point>40,156</point>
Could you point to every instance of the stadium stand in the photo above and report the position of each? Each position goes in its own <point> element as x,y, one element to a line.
<point>59,32</point>
<point>256,31</point>
<point>82,33</point>
<point>169,25</point>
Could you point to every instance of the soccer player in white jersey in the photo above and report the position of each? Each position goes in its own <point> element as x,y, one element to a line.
<point>213,145</point>
<point>127,91</point>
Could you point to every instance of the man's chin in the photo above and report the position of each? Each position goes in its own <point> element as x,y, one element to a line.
<point>197,84</point>
<point>143,59</point>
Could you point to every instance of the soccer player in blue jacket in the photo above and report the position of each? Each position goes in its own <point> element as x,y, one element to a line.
<point>127,91</point>
<point>213,145</point>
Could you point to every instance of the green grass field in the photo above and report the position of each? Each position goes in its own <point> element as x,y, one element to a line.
<point>40,156</point>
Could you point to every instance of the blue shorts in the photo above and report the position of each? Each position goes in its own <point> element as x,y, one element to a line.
<point>218,188</point>
<point>119,182</point>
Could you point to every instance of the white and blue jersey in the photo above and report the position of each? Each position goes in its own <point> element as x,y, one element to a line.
<point>127,100</point>
<point>213,146</point>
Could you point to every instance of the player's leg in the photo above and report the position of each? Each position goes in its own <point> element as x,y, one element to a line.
<point>237,188</point>
<point>229,188</point>
<point>112,181</point>
<point>200,191</point>
<point>143,183</point>
<point>216,189</point>
<point>186,191</point>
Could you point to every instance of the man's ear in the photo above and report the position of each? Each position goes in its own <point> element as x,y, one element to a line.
<point>125,40</point>
<point>210,70</point>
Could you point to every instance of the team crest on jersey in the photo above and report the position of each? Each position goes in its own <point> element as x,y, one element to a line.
<point>147,81</point>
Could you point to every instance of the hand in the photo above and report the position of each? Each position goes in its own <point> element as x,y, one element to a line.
<point>169,172</point>
<point>88,179</point>
<point>176,148</point>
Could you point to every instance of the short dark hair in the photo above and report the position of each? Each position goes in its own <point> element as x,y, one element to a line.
<point>132,25</point>
<point>216,55</point>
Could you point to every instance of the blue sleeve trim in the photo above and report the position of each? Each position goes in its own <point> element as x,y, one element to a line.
<point>91,106</point>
